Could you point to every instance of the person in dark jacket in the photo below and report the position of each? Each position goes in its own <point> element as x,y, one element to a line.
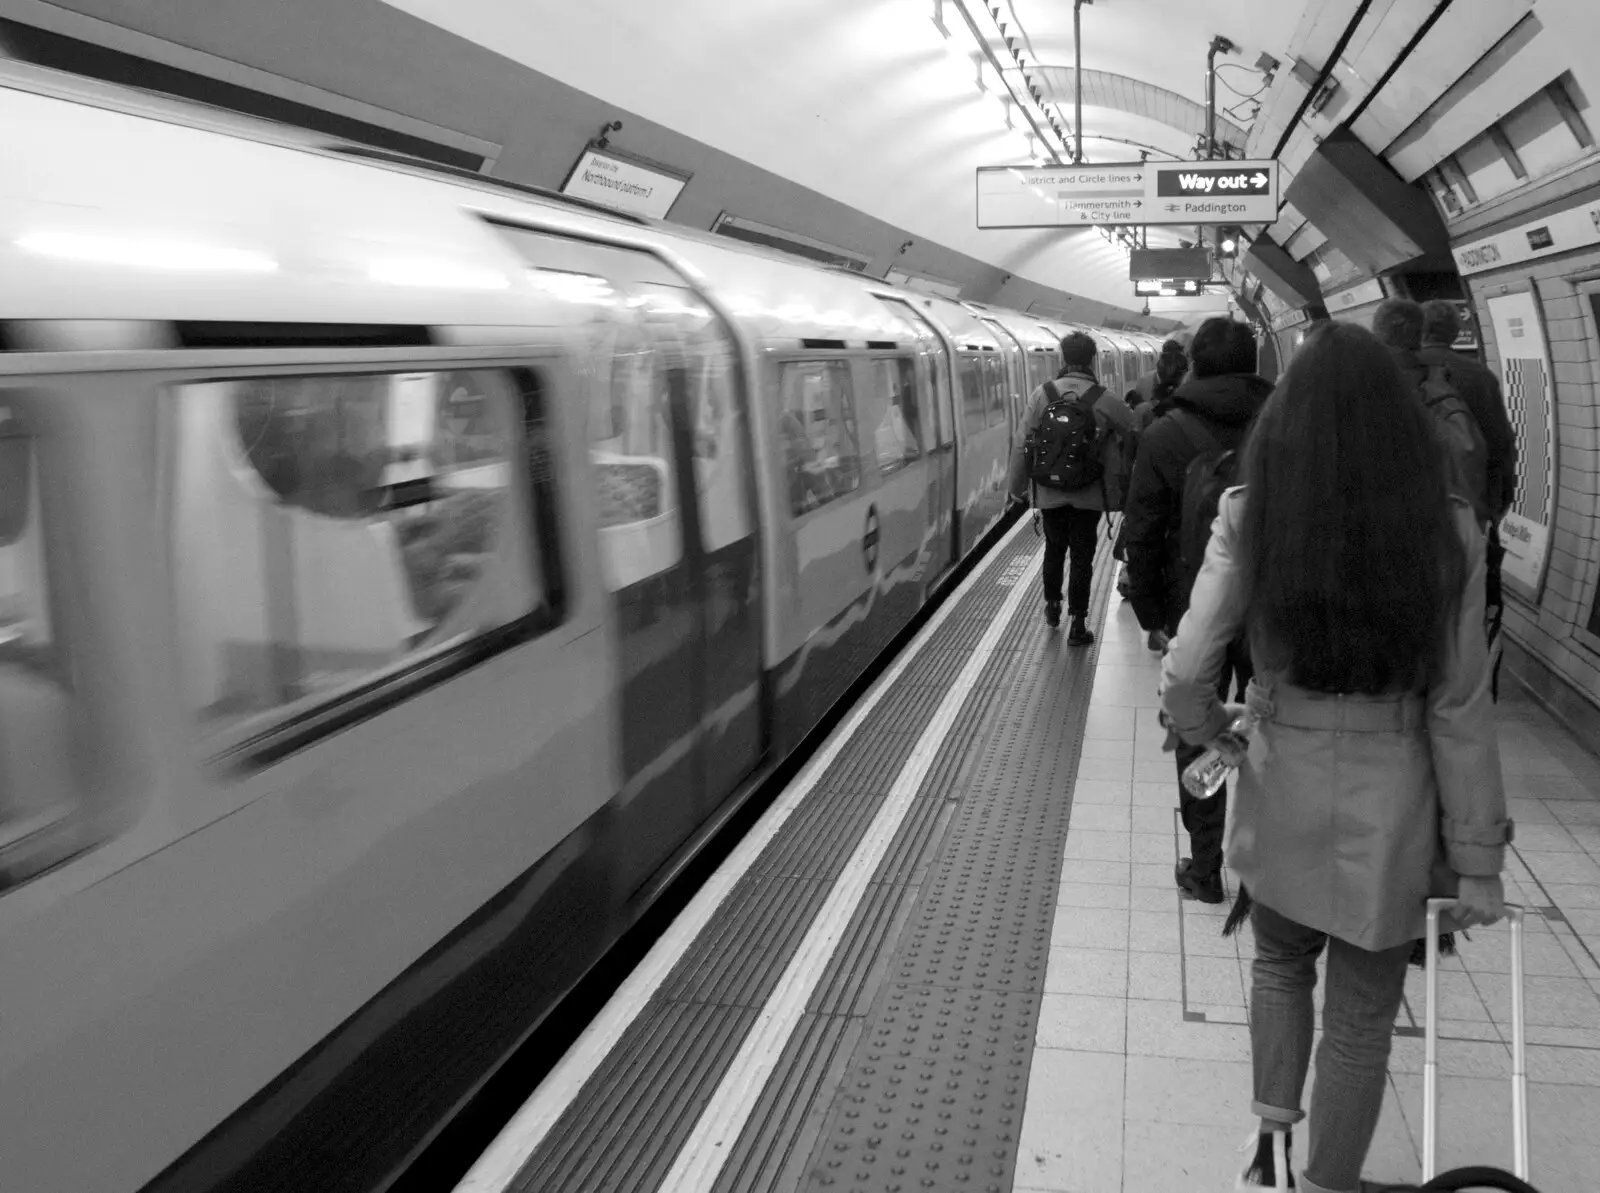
<point>1480,391</point>
<point>1223,393</point>
<point>1160,382</point>
<point>1071,517</point>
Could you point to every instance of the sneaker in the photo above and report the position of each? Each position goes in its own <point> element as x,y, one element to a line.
<point>1052,614</point>
<point>1202,889</point>
<point>1157,641</point>
<point>1080,634</point>
<point>1270,1169</point>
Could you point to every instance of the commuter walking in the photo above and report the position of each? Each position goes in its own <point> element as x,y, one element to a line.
<point>1068,464</point>
<point>1372,779</point>
<point>1159,383</point>
<point>1480,390</point>
<point>1397,323</point>
<point>1190,450</point>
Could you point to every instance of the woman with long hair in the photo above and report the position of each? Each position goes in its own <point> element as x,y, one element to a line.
<point>1372,780</point>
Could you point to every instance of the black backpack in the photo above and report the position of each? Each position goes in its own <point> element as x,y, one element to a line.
<point>1209,474</point>
<point>1062,450</point>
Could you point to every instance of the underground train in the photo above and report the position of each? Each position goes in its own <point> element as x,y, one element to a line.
<point>401,576</point>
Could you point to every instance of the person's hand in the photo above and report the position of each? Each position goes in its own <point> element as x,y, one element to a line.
<point>1480,901</point>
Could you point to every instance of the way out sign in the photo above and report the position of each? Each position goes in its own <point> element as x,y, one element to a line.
<point>1128,193</point>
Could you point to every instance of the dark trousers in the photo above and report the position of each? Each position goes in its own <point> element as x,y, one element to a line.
<point>1204,819</point>
<point>1069,530</point>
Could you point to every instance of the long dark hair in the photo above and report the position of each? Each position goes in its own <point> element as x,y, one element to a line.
<point>1351,555</point>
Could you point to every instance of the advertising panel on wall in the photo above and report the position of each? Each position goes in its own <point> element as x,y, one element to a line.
<point>1525,376</point>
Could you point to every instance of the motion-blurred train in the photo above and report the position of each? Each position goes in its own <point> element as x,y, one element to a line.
<point>401,576</point>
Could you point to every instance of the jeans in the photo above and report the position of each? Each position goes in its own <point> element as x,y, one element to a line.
<point>1204,819</point>
<point>1362,999</point>
<point>1069,530</point>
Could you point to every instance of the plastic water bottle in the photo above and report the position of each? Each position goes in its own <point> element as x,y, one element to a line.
<point>1204,777</point>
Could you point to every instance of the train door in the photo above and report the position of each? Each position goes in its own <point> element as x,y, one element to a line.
<point>1016,379</point>
<point>935,380</point>
<point>674,507</point>
<point>897,475</point>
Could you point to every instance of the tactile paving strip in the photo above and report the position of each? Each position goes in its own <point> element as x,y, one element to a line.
<point>933,1093</point>
<point>626,1126</point>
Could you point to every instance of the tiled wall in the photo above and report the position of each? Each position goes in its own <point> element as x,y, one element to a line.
<point>1554,634</point>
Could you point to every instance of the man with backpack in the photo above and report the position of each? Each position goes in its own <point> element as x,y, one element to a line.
<point>1069,465</point>
<point>1187,457</point>
<point>1398,325</point>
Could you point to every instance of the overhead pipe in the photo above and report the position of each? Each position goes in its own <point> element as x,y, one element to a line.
<point>1077,78</point>
<point>1219,45</point>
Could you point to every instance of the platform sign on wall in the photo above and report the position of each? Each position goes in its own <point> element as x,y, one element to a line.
<point>1240,192</point>
<point>606,177</point>
<point>1525,377</point>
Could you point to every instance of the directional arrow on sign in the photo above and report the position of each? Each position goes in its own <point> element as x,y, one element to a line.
<point>1259,179</point>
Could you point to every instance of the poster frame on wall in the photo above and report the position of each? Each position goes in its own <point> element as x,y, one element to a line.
<point>1587,287</point>
<point>1510,531</point>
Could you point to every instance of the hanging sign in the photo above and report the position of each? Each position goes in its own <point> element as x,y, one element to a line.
<point>1128,193</point>
<point>1525,377</point>
<point>606,177</point>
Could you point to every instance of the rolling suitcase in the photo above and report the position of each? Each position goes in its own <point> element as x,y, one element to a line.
<point>1474,1177</point>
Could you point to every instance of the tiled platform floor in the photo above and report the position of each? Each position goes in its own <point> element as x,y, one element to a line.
<point>1141,1078</point>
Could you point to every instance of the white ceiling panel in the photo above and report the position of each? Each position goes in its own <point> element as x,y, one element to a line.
<point>866,102</point>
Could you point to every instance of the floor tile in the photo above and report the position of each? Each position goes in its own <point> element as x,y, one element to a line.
<point>1153,932</point>
<point>1214,981</point>
<point>1122,748</point>
<point>1113,818</point>
<point>1094,928</point>
<point>1101,791</point>
<point>1083,1022</point>
<point>1092,894</point>
<point>1101,972</point>
<point>1077,869</point>
<point>1179,1158</point>
<point>1155,976</point>
<point>1560,867</point>
<point>1547,1001</point>
<point>1159,1029</point>
<point>1107,768</point>
<point>1153,848</point>
<point>1097,846</point>
<point>1071,1139</point>
<point>1147,819</point>
<point>1156,795</point>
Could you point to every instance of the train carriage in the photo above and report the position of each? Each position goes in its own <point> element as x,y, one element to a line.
<point>400,578</point>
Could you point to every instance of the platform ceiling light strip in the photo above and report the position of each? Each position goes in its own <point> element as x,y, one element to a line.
<point>145,252</point>
<point>709,1145</point>
<point>498,1166</point>
<point>983,25</point>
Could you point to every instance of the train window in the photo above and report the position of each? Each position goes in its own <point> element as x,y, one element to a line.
<point>39,793</point>
<point>632,460</point>
<point>891,411</point>
<point>336,530</point>
<point>715,411</point>
<point>818,426</point>
<point>994,387</point>
<point>973,400</point>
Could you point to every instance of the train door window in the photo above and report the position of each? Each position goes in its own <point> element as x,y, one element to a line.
<point>891,413</point>
<point>339,533</point>
<point>994,377</point>
<point>817,423</point>
<point>39,793</point>
<point>940,425</point>
<point>717,414</point>
<point>973,399</point>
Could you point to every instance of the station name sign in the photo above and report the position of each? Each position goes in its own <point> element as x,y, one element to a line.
<point>624,183</point>
<point>1128,193</point>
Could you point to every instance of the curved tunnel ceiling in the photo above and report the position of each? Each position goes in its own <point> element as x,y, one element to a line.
<point>867,102</point>
<point>1107,89</point>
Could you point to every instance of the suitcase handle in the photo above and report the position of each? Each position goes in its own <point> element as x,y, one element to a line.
<point>1519,1052</point>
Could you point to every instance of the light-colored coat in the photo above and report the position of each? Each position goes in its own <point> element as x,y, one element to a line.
<point>1349,810</point>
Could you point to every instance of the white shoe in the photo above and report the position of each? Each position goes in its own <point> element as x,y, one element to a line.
<point>1271,1168</point>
